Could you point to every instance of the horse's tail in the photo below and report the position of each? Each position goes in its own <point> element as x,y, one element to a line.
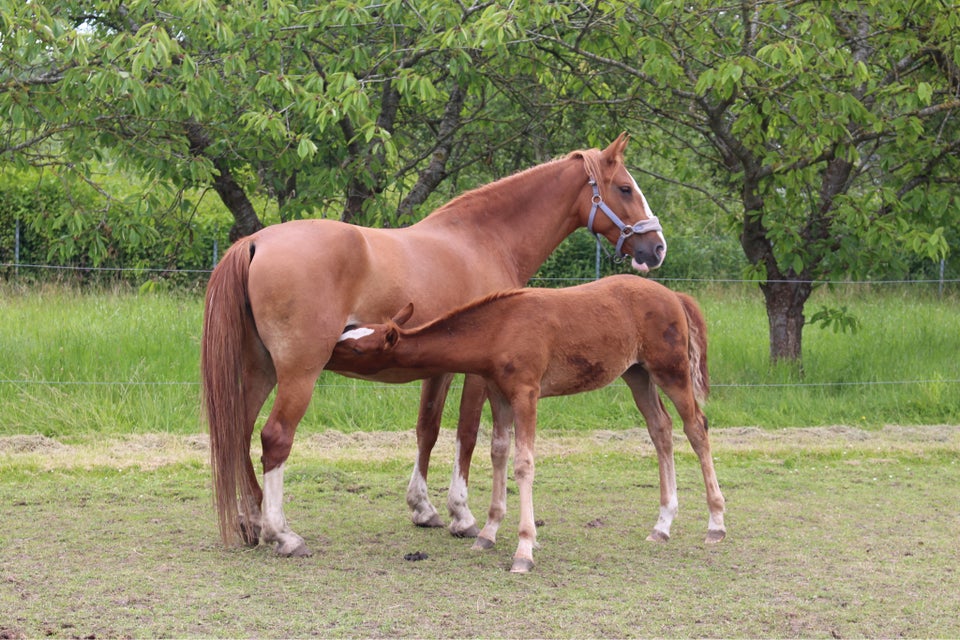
<point>226,319</point>
<point>696,347</point>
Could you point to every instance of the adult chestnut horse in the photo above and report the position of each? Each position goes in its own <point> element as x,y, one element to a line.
<point>279,299</point>
<point>533,343</point>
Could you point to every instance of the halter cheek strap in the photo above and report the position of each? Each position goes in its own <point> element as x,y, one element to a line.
<point>626,230</point>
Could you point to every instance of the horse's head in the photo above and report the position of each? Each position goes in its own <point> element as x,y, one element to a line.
<point>366,349</point>
<point>618,211</point>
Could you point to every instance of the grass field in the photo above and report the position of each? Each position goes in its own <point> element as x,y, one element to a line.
<point>117,362</point>
<point>841,496</point>
<point>832,533</point>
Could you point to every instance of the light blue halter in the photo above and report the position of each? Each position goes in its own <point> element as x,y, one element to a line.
<point>626,230</point>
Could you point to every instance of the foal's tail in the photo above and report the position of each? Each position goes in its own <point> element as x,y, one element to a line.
<point>696,347</point>
<point>226,319</point>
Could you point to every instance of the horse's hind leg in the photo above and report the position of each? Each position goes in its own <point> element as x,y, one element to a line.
<point>293,397</point>
<point>257,384</point>
<point>433,395</point>
<point>660,428</point>
<point>463,524</point>
<point>695,428</point>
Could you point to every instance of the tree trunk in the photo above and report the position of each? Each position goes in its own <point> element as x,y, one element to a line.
<point>231,193</point>
<point>784,302</point>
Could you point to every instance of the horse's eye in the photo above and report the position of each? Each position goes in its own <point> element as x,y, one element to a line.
<point>626,189</point>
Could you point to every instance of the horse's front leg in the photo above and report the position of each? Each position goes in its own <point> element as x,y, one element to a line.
<point>293,397</point>
<point>660,428</point>
<point>462,523</point>
<point>433,395</point>
<point>525,410</point>
<point>499,454</point>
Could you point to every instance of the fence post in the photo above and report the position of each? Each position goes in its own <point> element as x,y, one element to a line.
<point>216,232</point>
<point>16,248</point>
<point>598,260</point>
<point>940,287</point>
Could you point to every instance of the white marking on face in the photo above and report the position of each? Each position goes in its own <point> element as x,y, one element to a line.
<point>649,214</point>
<point>355,334</point>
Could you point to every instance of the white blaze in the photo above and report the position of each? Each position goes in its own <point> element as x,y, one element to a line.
<point>355,334</point>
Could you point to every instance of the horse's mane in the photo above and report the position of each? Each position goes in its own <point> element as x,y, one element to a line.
<point>591,161</point>
<point>471,306</point>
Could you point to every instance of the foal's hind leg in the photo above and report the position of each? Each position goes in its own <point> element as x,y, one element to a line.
<point>695,428</point>
<point>433,395</point>
<point>660,428</point>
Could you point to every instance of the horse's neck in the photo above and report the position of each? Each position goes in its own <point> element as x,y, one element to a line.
<point>523,218</point>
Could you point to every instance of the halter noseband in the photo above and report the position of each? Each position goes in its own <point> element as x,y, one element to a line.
<point>626,230</point>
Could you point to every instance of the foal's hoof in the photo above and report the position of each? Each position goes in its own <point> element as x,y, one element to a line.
<point>713,537</point>
<point>521,565</point>
<point>433,523</point>
<point>482,544</point>
<point>658,536</point>
<point>470,532</point>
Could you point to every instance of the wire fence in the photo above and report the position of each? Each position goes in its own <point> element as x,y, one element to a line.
<point>941,282</point>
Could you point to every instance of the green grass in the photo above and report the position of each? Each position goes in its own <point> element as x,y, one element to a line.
<point>119,362</point>
<point>834,531</point>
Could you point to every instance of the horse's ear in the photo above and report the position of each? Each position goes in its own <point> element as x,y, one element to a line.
<point>616,148</point>
<point>403,315</point>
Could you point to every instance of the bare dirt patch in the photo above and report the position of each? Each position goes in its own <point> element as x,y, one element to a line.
<point>153,450</point>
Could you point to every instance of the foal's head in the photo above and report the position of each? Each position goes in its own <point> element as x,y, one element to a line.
<point>367,349</point>
<point>618,211</point>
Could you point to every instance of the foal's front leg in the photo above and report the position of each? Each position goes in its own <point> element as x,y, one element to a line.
<point>462,522</point>
<point>499,454</point>
<point>525,409</point>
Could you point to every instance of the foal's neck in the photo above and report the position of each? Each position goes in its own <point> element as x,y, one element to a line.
<point>460,341</point>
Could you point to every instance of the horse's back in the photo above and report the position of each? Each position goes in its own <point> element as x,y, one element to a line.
<point>310,278</point>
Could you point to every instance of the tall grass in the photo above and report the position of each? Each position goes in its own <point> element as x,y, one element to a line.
<point>117,361</point>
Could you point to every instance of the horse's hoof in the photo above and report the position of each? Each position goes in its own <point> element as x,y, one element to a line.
<point>713,537</point>
<point>658,536</point>
<point>521,565</point>
<point>299,551</point>
<point>250,535</point>
<point>433,523</point>
<point>482,544</point>
<point>470,532</point>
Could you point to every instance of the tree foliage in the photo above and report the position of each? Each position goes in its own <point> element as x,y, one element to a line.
<point>822,134</point>
<point>835,124</point>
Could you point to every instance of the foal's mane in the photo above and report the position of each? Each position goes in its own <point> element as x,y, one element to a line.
<point>473,305</point>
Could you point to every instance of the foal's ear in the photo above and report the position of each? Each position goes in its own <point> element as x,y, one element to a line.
<point>391,336</point>
<point>403,315</point>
